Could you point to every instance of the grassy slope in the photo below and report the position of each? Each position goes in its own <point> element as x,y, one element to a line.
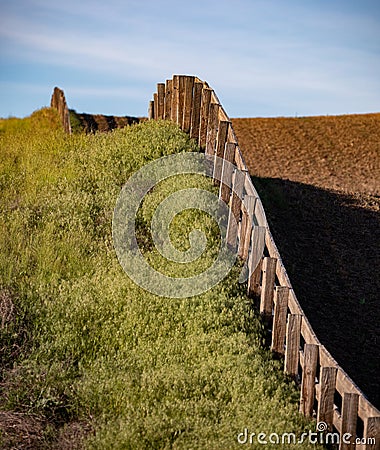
<point>81,344</point>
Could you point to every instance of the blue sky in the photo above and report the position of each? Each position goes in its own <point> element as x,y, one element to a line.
<point>262,57</point>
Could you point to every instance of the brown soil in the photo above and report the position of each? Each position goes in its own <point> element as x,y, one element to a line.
<point>319,180</point>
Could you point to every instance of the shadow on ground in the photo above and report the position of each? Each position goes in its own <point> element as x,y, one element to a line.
<point>91,123</point>
<point>329,243</point>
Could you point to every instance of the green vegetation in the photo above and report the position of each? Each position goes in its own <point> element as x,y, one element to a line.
<point>82,343</point>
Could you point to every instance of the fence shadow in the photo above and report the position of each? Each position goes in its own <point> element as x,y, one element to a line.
<point>329,245</point>
<point>91,123</point>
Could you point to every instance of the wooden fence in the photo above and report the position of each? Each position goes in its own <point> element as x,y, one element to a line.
<point>326,391</point>
<point>58,102</point>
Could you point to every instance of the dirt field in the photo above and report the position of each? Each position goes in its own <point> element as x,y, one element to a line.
<point>319,179</point>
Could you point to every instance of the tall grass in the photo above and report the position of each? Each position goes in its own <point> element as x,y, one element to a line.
<point>87,344</point>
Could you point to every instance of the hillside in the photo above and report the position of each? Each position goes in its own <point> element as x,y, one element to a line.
<point>319,179</point>
<point>88,358</point>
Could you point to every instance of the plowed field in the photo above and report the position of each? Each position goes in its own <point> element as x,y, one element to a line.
<point>319,179</point>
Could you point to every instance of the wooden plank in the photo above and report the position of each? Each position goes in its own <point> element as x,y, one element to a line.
<point>220,147</point>
<point>246,225</point>
<point>308,379</point>
<point>161,100</point>
<point>345,384</point>
<point>168,99</point>
<point>234,211</point>
<point>293,333</point>
<point>227,171</point>
<point>372,433</point>
<point>187,103</point>
<point>239,161</point>
<point>237,193</point>
<point>337,420</point>
<point>196,111</point>
<point>349,420</point>
<point>151,110</point>
<point>281,295</point>
<point>267,288</point>
<point>327,380</point>
<point>212,129</point>
<point>205,109</point>
<point>255,261</point>
<point>155,103</point>
<point>181,99</point>
<point>58,101</point>
<point>254,279</point>
<point>175,97</point>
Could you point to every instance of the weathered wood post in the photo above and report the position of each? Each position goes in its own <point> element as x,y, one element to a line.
<point>187,103</point>
<point>168,99</point>
<point>267,288</point>
<point>249,203</point>
<point>221,140</point>
<point>349,419</point>
<point>205,109</point>
<point>235,207</point>
<point>151,110</point>
<point>372,433</point>
<point>160,100</point>
<point>309,371</point>
<point>175,96</point>
<point>327,382</point>
<point>58,101</point>
<point>196,111</point>
<point>227,171</point>
<point>281,295</point>
<point>212,129</point>
<point>255,261</point>
<point>292,349</point>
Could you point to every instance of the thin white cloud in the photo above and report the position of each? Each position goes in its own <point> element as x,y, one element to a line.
<point>259,48</point>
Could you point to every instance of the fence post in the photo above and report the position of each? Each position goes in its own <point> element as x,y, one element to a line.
<point>249,203</point>
<point>155,104</point>
<point>175,96</point>
<point>281,294</point>
<point>181,99</point>
<point>221,140</point>
<point>293,333</point>
<point>227,171</point>
<point>235,207</point>
<point>187,103</point>
<point>349,419</point>
<point>327,381</point>
<point>196,111</point>
<point>255,261</point>
<point>58,101</point>
<point>151,110</point>
<point>161,100</point>
<point>308,379</point>
<point>212,128</point>
<point>168,99</point>
<point>205,109</point>
<point>267,288</point>
<point>372,431</point>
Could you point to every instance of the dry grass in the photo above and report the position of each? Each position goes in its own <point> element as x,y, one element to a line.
<point>7,309</point>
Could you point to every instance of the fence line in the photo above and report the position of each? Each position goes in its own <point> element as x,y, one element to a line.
<point>327,392</point>
<point>58,102</point>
